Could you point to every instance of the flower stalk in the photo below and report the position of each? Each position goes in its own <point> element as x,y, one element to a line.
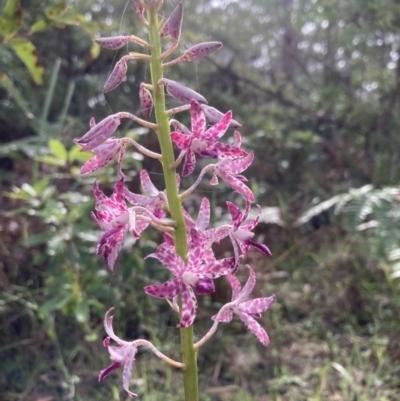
<point>187,248</point>
<point>189,355</point>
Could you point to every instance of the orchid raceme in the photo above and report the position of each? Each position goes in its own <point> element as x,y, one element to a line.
<point>187,251</point>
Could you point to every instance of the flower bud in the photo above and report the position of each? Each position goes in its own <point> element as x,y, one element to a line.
<point>215,116</point>
<point>99,133</point>
<point>117,75</point>
<point>180,92</point>
<point>146,101</point>
<point>173,24</point>
<point>139,9</point>
<point>113,43</point>
<point>201,50</point>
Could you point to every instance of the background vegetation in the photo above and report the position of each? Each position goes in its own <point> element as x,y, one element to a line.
<point>316,84</point>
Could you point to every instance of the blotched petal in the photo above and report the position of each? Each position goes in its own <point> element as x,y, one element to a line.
<point>170,259</point>
<point>189,163</point>
<point>235,284</point>
<point>198,119</point>
<point>257,306</point>
<point>203,218</point>
<point>167,290</point>
<point>189,307</point>
<point>217,130</point>
<point>254,327</point>
<point>147,185</point>
<point>127,372</point>
<point>110,244</point>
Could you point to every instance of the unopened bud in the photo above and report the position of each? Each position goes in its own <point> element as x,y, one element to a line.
<point>117,75</point>
<point>179,127</point>
<point>201,50</point>
<point>180,92</point>
<point>139,9</point>
<point>215,116</point>
<point>99,133</point>
<point>173,24</point>
<point>146,101</point>
<point>113,43</point>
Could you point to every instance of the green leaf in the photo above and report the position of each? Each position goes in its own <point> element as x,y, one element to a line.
<point>82,311</point>
<point>37,239</point>
<point>41,25</point>
<point>26,51</point>
<point>53,304</point>
<point>41,185</point>
<point>11,19</point>
<point>54,161</point>
<point>58,149</point>
<point>94,51</point>
<point>75,154</point>
<point>7,84</point>
<point>55,12</point>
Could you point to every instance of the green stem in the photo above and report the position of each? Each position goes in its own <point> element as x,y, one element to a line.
<point>189,354</point>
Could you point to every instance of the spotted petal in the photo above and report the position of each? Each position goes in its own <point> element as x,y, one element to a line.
<point>254,327</point>
<point>189,307</point>
<point>167,290</point>
<point>189,163</point>
<point>198,119</point>
<point>217,130</point>
<point>170,259</point>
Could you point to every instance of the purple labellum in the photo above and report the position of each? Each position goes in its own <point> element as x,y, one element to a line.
<point>146,101</point>
<point>99,133</point>
<point>173,24</point>
<point>117,75</point>
<point>201,50</point>
<point>113,43</point>
<point>139,9</point>
<point>215,116</point>
<point>180,92</point>
<point>210,153</point>
<point>205,286</point>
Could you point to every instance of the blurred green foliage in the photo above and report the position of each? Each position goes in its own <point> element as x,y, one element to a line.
<point>316,86</point>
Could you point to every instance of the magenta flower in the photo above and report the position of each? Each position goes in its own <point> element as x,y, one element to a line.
<point>123,355</point>
<point>156,200</point>
<point>247,311</point>
<point>104,154</point>
<point>201,141</point>
<point>229,171</point>
<point>240,234</point>
<point>194,273</point>
<point>99,133</point>
<point>113,217</point>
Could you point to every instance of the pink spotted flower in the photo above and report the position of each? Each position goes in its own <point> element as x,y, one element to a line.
<point>155,201</point>
<point>247,311</point>
<point>113,216</point>
<point>121,356</point>
<point>202,141</point>
<point>229,171</point>
<point>195,273</point>
<point>240,233</point>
